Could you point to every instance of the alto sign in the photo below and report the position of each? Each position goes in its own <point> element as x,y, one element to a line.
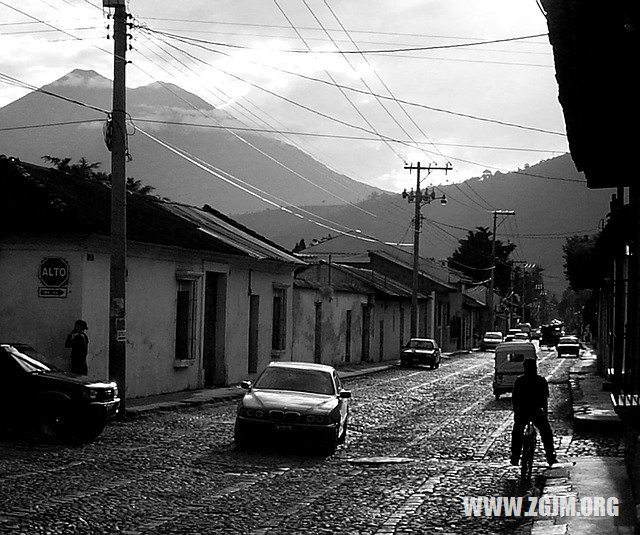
<point>54,276</point>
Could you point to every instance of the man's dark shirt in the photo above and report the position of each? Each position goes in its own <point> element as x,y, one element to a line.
<point>78,342</point>
<point>530,394</point>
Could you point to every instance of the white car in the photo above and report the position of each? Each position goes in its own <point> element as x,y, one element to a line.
<point>490,340</point>
<point>293,401</point>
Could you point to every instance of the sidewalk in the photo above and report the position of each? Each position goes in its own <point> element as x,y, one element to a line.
<point>139,406</point>
<point>588,477</point>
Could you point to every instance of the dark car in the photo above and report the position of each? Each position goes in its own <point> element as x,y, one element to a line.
<point>421,351</point>
<point>60,405</point>
<point>568,346</point>
<point>490,340</point>
<point>292,401</point>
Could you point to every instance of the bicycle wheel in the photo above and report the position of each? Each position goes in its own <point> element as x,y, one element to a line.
<point>528,450</point>
<point>526,462</point>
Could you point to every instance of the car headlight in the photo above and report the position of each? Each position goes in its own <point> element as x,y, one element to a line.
<point>251,413</point>
<point>91,394</point>
<point>316,418</point>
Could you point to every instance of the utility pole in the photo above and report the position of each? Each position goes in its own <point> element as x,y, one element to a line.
<point>525,266</point>
<point>496,213</point>
<point>118,147</point>
<point>419,197</point>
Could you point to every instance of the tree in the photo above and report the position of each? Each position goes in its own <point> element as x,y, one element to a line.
<point>89,171</point>
<point>300,246</point>
<point>579,302</point>
<point>578,252</point>
<point>473,258</point>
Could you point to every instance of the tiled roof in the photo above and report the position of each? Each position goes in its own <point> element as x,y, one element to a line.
<point>353,250</point>
<point>380,282</point>
<point>43,201</point>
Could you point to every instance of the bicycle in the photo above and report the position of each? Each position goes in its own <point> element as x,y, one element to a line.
<point>529,437</point>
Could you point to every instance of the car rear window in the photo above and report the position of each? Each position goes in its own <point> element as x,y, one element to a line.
<point>421,344</point>
<point>568,340</point>
<point>493,336</point>
<point>311,381</point>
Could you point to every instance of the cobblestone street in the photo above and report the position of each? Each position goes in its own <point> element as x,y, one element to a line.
<point>443,432</point>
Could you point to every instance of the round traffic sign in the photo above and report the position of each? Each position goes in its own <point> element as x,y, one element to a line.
<point>54,272</point>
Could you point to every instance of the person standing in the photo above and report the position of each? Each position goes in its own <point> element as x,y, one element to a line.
<point>78,341</point>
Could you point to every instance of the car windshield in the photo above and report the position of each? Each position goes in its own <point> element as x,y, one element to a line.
<point>568,340</point>
<point>493,336</point>
<point>28,363</point>
<point>311,381</point>
<point>420,344</point>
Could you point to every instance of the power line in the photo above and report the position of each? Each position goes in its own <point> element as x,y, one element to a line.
<point>288,168</point>
<point>368,93</point>
<point>366,51</point>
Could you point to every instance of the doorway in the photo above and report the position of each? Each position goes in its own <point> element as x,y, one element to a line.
<point>254,322</point>
<point>213,343</point>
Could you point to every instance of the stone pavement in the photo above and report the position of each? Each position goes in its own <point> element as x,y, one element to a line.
<point>584,478</point>
<point>139,406</point>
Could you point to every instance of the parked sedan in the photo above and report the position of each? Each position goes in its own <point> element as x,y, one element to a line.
<point>490,340</point>
<point>422,351</point>
<point>59,404</point>
<point>569,346</point>
<point>293,400</point>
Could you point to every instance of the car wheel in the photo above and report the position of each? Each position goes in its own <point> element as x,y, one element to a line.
<point>55,422</point>
<point>437,364</point>
<point>404,363</point>
<point>240,438</point>
<point>330,444</point>
<point>91,429</point>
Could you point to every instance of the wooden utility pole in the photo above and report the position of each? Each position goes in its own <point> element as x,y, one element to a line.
<point>419,198</point>
<point>118,271</point>
<point>492,318</point>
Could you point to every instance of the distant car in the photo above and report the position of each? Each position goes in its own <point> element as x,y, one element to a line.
<point>60,405</point>
<point>569,346</point>
<point>521,337</point>
<point>490,340</point>
<point>421,351</point>
<point>292,401</point>
<point>535,334</point>
<point>510,336</point>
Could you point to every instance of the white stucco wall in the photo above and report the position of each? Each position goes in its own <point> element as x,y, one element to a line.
<point>334,314</point>
<point>151,310</point>
<point>243,282</point>
<point>24,317</point>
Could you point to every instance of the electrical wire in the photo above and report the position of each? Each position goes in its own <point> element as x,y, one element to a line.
<point>333,80</point>
<point>367,51</point>
<point>368,93</point>
<point>274,160</point>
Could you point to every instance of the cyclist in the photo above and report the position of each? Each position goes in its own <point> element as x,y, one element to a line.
<point>530,403</point>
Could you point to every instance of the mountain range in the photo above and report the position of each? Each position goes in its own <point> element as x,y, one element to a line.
<point>550,198</point>
<point>167,112</point>
<point>550,201</point>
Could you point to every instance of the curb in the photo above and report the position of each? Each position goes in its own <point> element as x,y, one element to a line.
<point>216,395</point>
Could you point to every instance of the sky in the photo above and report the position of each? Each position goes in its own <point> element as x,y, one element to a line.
<point>365,86</point>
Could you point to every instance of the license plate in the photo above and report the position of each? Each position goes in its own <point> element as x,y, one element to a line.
<point>283,428</point>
